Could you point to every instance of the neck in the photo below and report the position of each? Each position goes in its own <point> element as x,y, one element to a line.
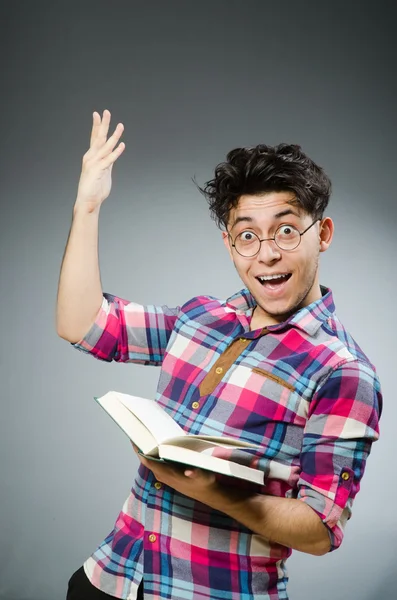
<point>260,318</point>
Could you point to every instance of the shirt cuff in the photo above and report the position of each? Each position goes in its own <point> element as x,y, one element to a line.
<point>334,506</point>
<point>89,343</point>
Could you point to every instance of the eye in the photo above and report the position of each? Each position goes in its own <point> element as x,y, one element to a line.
<point>287,231</point>
<point>246,236</point>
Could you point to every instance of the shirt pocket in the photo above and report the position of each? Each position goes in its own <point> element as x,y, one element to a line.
<point>273,398</point>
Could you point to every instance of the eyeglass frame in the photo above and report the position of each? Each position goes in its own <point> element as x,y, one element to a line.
<point>273,239</point>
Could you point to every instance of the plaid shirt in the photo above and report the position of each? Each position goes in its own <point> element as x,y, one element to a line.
<point>303,390</point>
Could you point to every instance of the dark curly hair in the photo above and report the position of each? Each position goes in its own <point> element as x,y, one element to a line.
<point>266,169</point>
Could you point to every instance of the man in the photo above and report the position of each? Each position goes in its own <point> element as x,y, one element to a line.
<point>271,365</point>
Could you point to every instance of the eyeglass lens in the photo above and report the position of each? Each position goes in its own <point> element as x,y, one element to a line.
<point>248,243</point>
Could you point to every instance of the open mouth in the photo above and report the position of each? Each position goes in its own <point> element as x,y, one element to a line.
<point>273,282</point>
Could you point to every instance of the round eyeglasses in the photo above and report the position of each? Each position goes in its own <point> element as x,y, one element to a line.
<point>287,237</point>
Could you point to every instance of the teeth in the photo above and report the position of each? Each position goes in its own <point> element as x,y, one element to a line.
<point>269,277</point>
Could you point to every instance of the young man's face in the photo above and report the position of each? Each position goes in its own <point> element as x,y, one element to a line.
<point>263,215</point>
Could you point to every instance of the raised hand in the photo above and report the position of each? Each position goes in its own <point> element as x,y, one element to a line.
<point>96,174</point>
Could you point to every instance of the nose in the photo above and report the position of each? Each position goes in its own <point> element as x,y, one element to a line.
<point>269,252</point>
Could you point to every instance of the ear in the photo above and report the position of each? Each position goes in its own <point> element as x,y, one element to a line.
<point>226,241</point>
<point>326,233</point>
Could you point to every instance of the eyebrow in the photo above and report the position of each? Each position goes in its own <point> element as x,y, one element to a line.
<point>279,215</point>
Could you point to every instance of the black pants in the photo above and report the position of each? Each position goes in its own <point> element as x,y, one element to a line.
<point>80,588</point>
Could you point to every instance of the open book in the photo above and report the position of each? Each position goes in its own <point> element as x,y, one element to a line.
<point>159,437</point>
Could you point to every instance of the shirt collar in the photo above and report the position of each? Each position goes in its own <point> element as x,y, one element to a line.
<point>308,319</point>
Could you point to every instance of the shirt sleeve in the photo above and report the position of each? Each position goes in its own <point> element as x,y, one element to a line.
<point>342,424</point>
<point>124,331</point>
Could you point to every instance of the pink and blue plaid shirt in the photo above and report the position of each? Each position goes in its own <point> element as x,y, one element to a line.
<point>303,390</point>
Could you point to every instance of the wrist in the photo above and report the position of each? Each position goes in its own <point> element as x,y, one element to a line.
<point>83,207</point>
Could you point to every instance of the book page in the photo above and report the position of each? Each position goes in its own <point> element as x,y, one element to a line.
<point>124,418</point>
<point>200,443</point>
<point>225,441</point>
<point>210,463</point>
<point>160,424</point>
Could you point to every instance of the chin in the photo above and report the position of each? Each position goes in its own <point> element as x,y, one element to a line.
<point>279,309</point>
<point>279,312</point>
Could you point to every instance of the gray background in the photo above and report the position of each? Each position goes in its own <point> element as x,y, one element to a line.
<point>190,81</point>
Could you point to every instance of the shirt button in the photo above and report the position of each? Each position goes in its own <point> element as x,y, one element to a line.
<point>152,538</point>
<point>345,476</point>
<point>158,485</point>
<point>218,370</point>
<point>195,405</point>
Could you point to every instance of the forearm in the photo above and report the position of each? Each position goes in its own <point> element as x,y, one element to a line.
<point>286,521</point>
<point>79,291</point>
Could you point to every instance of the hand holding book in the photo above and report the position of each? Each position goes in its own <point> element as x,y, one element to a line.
<point>160,438</point>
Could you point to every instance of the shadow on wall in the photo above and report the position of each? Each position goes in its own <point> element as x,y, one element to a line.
<point>387,590</point>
